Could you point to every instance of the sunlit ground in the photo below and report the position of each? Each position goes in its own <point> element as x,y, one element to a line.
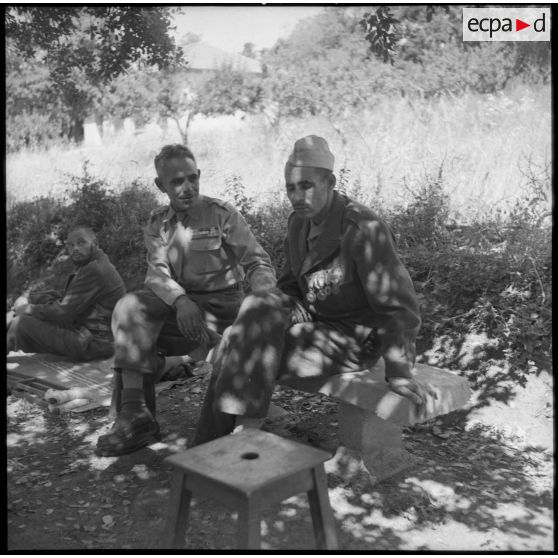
<point>475,488</point>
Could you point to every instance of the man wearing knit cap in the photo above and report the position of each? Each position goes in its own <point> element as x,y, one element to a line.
<point>347,301</point>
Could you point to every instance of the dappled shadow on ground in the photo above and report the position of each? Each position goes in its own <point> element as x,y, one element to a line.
<point>61,495</point>
<point>475,489</point>
<point>471,492</point>
<point>481,359</point>
<point>473,483</point>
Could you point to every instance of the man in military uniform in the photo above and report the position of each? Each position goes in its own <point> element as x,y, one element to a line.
<point>351,302</point>
<point>75,324</point>
<point>199,251</point>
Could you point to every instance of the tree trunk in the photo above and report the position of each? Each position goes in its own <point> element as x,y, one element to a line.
<point>77,132</point>
<point>184,131</point>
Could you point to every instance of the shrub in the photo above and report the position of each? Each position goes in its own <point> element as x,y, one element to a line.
<point>32,240</point>
<point>490,280</point>
<point>36,232</point>
<point>268,223</point>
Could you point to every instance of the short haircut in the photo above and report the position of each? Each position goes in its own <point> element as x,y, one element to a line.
<point>88,231</point>
<point>172,151</point>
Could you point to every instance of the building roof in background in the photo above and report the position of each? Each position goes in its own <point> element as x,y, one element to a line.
<point>202,56</point>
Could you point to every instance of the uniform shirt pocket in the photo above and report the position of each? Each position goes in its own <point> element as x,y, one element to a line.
<point>206,254</point>
<point>205,244</point>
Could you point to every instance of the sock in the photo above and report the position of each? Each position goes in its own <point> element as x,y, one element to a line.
<point>132,379</point>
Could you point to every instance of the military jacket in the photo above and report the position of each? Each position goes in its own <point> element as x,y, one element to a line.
<point>89,296</point>
<point>352,273</point>
<point>208,249</point>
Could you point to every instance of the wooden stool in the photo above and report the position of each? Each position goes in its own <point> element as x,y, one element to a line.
<point>248,471</point>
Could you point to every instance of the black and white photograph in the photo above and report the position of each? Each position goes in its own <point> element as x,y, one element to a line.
<point>279,278</point>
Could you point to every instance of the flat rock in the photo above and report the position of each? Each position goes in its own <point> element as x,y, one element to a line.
<point>369,390</point>
<point>360,469</point>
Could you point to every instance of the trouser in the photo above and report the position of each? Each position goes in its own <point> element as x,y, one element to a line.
<point>263,347</point>
<point>143,326</point>
<point>31,335</point>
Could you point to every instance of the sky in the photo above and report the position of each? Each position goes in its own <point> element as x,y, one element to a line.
<point>229,27</point>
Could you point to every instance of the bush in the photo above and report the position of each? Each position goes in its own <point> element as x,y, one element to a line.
<point>488,281</point>
<point>268,223</point>
<point>32,241</point>
<point>38,229</point>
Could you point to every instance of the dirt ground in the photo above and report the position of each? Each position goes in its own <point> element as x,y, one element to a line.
<point>484,481</point>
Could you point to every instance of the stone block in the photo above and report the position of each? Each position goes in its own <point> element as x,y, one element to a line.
<point>364,469</point>
<point>383,463</point>
<point>276,412</point>
<point>361,430</point>
<point>369,390</point>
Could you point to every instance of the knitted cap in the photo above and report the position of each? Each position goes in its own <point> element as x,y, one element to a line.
<point>312,151</point>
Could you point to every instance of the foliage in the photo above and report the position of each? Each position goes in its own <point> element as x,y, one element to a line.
<point>236,194</point>
<point>103,40</point>
<point>379,29</point>
<point>485,288</point>
<point>32,239</point>
<point>429,37</point>
<point>268,222</point>
<point>83,60</point>
<point>325,66</point>
<point>320,68</point>
<point>37,231</point>
<point>174,100</point>
<point>228,91</point>
<point>85,47</point>
<point>34,113</point>
<point>422,222</point>
<point>490,280</point>
<point>131,94</point>
<point>143,94</point>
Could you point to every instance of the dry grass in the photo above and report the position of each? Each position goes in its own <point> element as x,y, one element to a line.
<point>478,143</point>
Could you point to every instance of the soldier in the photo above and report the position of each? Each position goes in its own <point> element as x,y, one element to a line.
<point>76,324</point>
<point>351,302</point>
<point>199,251</point>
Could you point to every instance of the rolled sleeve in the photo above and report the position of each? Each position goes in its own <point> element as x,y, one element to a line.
<point>390,294</point>
<point>159,277</point>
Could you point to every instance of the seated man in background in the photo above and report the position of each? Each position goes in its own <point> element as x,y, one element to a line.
<point>199,250</point>
<point>347,301</point>
<point>76,324</point>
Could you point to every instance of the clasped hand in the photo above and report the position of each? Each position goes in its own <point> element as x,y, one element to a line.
<point>190,321</point>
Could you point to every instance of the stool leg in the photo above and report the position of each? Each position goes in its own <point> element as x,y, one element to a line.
<point>249,524</point>
<point>179,511</point>
<point>322,516</point>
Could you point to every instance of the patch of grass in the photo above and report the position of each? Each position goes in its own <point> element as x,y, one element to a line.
<point>479,141</point>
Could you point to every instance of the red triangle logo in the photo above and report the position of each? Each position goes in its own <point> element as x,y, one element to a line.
<point>519,25</point>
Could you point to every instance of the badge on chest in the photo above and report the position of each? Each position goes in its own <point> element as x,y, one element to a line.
<point>207,232</point>
<point>324,282</point>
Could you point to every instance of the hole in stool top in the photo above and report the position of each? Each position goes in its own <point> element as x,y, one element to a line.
<point>250,455</point>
